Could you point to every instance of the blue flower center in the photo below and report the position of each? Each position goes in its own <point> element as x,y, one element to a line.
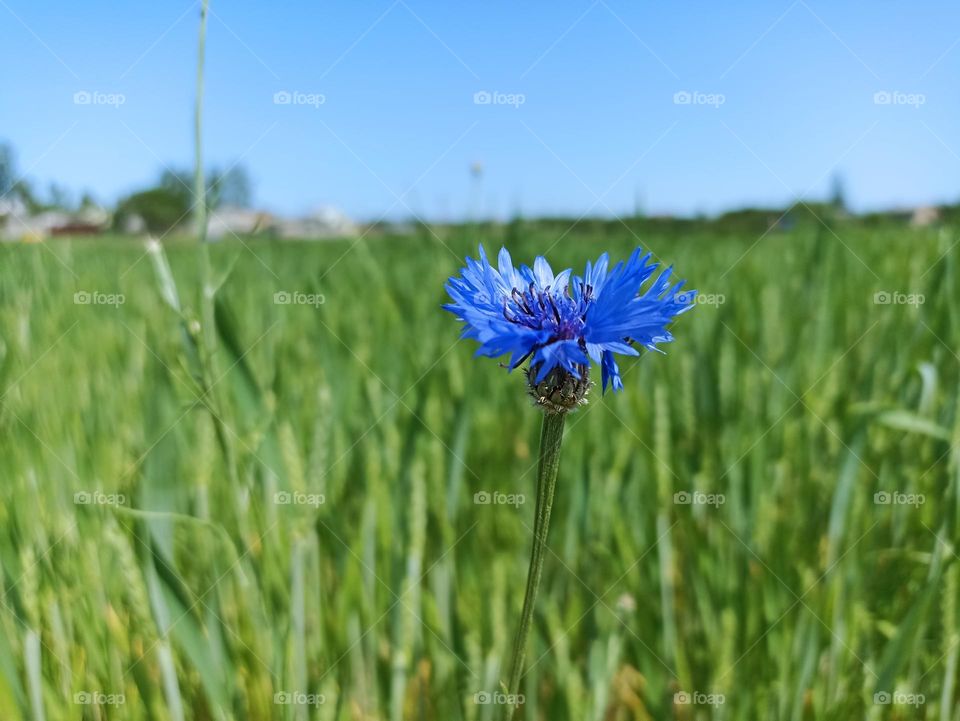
<point>540,309</point>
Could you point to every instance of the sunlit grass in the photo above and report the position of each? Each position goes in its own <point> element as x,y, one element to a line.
<point>377,586</point>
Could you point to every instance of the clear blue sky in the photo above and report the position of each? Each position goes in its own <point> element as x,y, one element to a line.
<point>598,117</point>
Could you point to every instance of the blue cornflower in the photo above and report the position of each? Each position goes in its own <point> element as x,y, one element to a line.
<point>559,322</point>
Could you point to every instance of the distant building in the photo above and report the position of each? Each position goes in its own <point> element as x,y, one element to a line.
<point>231,221</point>
<point>18,224</point>
<point>34,227</point>
<point>13,211</point>
<point>89,220</point>
<point>924,215</point>
<point>133,224</point>
<point>322,224</point>
<point>11,205</point>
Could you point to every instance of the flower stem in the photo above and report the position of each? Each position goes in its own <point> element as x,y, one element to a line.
<point>551,438</point>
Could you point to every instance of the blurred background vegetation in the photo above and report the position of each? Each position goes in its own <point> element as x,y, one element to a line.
<point>207,503</point>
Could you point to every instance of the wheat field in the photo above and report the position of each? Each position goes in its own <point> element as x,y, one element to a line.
<point>267,481</point>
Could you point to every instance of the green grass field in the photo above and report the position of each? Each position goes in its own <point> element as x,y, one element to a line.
<point>253,509</point>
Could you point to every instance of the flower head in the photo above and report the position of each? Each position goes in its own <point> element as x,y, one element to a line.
<point>559,322</point>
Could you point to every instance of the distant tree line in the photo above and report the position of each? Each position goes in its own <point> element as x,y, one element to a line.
<point>12,186</point>
<point>171,201</point>
<point>167,203</point>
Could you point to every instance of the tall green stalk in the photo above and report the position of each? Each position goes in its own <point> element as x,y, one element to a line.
<point>211,393</point>
<point>551,438</point>
<point>199,183</point>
